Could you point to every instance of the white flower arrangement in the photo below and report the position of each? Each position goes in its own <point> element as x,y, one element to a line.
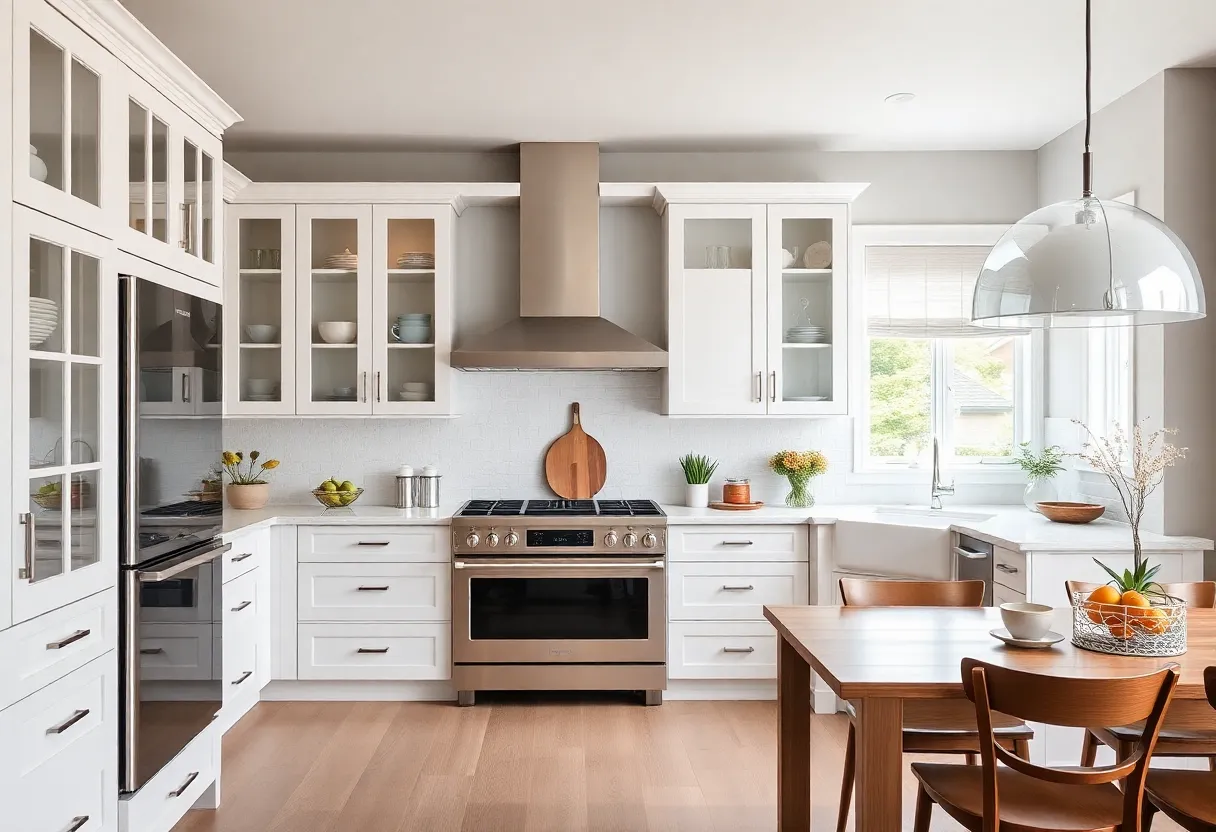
<point>1150,455</point>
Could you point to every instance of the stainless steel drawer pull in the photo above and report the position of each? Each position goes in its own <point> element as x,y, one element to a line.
<point>373,589</point>
<point>508,564</point>
<point>242,556</point>
<point>180,790</point>
<point>372,543</point>
<point>737,543</point>
<point>77,822</point>
<point>69,722</point>
<point>241,606</point>
<point>244,676</point>
<point>66,640</point>
<point>372,650</point>
<point>151,651</point>
<point>970,555</point>
<point>738,649</point>
<point>728,588</point>
<point>1007,569</point>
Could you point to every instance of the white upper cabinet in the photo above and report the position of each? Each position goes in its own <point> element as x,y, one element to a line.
<point>260,310</point>
<point>174,196</point>
<point>65,146</point>
<point>64,330</point>
<point>757,299</point>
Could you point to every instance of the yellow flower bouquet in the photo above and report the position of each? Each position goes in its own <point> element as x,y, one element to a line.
<point>799,467</point>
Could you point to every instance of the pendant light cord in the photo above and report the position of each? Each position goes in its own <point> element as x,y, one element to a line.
<point>1087,161</point>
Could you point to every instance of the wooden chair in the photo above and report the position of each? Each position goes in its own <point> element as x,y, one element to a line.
<point>1190,726</point>
<point>1021,796</point>
<point>1188,798</point>
<point>942,726</point>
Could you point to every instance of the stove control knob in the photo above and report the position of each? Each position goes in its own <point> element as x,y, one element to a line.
<point>512,538</point>
<point>631,540</point>
<point>610,538</point>
<point>649,540</point>
<point>472,540</point>
<point>492,539</point>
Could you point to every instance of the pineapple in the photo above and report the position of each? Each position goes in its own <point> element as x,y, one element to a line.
<point>1135,608</point>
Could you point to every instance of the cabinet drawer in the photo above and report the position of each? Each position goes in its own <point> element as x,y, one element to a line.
<point>166,798</point>
<point>247,553</point>
<point>374,592</point>
<point>1009,569</point>
<point>374,651</point>
<point>721,650</point>
<point>1005,595</point>
<point>241,602</point>
<point>59,764</point>
<point>374,544</point>
<point>737,543</point>
<point>37,652</point>
<point>733,591</point>
<point>175,652</point>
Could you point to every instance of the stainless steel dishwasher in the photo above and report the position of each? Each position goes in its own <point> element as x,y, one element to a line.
<point>973,562</point>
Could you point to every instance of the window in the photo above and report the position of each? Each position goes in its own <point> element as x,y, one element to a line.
<point>1108,379</point>
<point>929,372</point>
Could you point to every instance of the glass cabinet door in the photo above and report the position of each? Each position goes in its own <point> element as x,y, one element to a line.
<point>333,299</point>
<point>59,77</point>
<point>259,309</point>
<point>411,305</point>
<point>807,297</point>
<point>65,455</point>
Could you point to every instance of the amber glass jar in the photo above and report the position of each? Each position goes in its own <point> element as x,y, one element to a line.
<point>737,490</point>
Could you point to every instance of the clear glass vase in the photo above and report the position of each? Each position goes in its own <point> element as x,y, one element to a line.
<point>800,495</point>
<point>1042,490</point>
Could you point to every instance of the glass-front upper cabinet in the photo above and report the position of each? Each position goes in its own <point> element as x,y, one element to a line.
<point>807,309</point>
<point>412,309</point>
<point>65,409</point>
<point>173,193</point>
<point>334,330</point>
<point>63,86</point>
<point>260,309</point>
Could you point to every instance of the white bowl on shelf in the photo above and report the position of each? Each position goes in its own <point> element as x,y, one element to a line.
<point>344,392</point>
<point>261,333</point>
<point>261,386</point>
<point>337,332</point>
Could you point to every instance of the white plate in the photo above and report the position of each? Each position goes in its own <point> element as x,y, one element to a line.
<point>1051,638</point>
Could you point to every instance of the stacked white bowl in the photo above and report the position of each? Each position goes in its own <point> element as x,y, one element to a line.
<point>414,328</point>
<point>415,391</point>
<point>44,319</point>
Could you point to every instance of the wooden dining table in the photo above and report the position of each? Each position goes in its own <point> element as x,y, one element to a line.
<point>878,657</point>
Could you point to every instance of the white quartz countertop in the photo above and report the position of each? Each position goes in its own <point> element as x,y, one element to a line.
<point>1010,526</point>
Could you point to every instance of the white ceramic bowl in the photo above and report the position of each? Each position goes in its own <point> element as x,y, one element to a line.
<point>1027,621</point>
<point>344,391</point>
<point>261,333</point>
<point>420,386</point>
<point>337,332</point>
<point>261,386</point>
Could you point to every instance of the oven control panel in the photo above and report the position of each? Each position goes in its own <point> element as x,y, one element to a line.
<point>505,541</point>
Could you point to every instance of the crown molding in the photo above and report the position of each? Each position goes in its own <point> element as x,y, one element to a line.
<point>770,193</point>
<point>234,182</point>
<point>460,195</point>
<point>116,29</point>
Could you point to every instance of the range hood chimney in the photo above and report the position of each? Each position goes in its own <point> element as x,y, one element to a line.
<point>559,325</point>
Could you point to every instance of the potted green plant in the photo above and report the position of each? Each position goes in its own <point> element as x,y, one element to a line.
<point>1041,470</point>
<point>799,467</point>
<point>248,489</point>
<point>698,469</point>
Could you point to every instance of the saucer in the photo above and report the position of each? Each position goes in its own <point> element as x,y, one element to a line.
<point>1049,639</point>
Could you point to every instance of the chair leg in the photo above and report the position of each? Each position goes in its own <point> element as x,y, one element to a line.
<point>971,758</point>
<point>924,810</point>
<point>1089,749</point>
<point>846,781</point>
<point>1146,815</point>
<point>1212,763</point>
<point>1022,749</point>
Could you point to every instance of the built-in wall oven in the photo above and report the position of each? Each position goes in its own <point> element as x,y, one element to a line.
<point>553,602</point>
<point>170,552</point>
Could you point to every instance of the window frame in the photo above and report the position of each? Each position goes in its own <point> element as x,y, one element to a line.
<point>1028,367</point>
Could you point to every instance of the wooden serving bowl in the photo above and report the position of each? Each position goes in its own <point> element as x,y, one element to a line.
<point>1058,512</point>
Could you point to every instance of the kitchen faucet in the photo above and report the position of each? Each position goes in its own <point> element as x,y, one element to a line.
<point>935,501</point>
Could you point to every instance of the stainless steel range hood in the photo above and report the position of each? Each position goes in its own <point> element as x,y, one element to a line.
<point>559,327</point>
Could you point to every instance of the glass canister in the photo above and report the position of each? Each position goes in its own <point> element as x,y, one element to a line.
<point>737,490</point>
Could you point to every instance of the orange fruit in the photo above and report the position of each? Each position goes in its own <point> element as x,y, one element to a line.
<point>1095,604</point>
<point>1131,598</point>
<point>1153,620</point>
<point>1120,630</point>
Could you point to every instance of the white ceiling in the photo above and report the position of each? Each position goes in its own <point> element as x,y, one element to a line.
<point>670,74</point>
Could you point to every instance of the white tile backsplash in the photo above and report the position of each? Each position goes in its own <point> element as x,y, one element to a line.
<point>496,448</point>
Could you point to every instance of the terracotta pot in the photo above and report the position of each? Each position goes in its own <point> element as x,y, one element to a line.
<point>248,496</point>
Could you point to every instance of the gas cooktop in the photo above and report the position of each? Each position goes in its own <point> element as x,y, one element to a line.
<point>561,508</point>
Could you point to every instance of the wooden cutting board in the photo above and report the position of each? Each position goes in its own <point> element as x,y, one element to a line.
<point>575,466</point>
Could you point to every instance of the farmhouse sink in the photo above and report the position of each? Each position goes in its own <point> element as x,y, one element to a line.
<point>946,515</point>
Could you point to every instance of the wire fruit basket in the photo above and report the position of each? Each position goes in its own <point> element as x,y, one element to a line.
<point>336,499</point>
<point>1159,630</point>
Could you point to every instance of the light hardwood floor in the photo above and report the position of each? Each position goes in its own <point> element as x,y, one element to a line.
<point>508,767</point>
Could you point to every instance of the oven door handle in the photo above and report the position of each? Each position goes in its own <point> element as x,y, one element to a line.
<point>464,564</point>
<point>164,572</point>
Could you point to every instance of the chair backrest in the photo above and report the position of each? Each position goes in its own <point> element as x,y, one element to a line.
<point>1069,701</point>
<point>1078,586</point>
<point>1198,594</point>
<point>862,592</point>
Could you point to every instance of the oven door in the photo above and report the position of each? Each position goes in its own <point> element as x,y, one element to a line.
<point>584,610</point>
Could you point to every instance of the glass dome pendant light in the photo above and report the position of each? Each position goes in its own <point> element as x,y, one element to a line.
<point>1087,262</point>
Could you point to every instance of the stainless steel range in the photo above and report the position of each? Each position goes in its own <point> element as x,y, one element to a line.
<point>559,595</point>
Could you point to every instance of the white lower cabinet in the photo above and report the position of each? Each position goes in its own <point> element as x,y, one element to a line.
<point>374,591</point>
<point>721,650</point>
<point>375,651</point>
<point>245,610</point>
<point>173,790</point>
<point>733,591</point>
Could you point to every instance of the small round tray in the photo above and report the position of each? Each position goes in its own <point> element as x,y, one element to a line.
<point>720,506</point>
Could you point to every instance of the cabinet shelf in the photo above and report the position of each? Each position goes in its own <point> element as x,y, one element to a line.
<point>335,271</point>
<point>789,346</point>
<point>393,345</point>
<point>808,274</point>
<point>263,346</point>
<point>323,346</point>
<point>260,272</point>
<point>415,273</point>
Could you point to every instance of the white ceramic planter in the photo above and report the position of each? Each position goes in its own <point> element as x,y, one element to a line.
<point>696,495</point>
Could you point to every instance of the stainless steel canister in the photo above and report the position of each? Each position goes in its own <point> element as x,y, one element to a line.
<point>426,488</point>
<point>405,487</point>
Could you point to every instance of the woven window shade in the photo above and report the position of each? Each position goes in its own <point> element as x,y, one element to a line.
<point>924,292</point>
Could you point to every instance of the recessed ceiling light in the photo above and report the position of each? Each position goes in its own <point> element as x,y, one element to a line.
<point>899,98</point>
